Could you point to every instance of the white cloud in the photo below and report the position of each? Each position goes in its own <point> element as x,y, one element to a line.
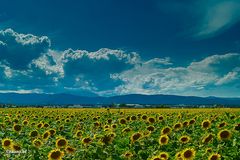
<point>106,71</point>
<point>154,79</point>
<point>22,91</point>
<point>18,50</point>
<point>218,16</point>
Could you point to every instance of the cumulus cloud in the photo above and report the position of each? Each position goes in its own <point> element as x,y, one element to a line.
<point>18,50</point>
<point>105,71</point>
<point>154,79</point>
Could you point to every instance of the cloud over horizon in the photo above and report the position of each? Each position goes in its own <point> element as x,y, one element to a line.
<point>29,63</point>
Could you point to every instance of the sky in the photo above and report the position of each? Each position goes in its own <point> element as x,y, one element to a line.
<point>111,47</point>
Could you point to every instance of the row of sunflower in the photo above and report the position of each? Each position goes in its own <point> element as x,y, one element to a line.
<point>118,134</point>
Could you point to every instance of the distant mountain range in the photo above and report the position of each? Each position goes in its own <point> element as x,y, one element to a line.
<point>62,99</point>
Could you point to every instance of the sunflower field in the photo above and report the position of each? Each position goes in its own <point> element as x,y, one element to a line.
<point>119,134</point>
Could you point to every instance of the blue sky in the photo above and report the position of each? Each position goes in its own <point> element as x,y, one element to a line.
<point>115,47</point>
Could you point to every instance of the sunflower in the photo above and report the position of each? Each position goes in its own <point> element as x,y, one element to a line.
<point>166,130</point>
<point>206,124</point>
<point>46,135</point>
<point>133,118</point>
<point>214,156</point>
<point>126,129</point>
<point>127,154</point>
<point>61,143</point>
<point>151,120</point>
<point>78,134</point>
<point>17,127</point>
<point>70,150</point>
<point>7,143</point>
<point>16,147</point>
<point>192,121</point>
<point>107,139</point>
<point>144,117</point>
<point>160,118</point>
<point>185,124</point>
<point>188,154</point>
<point>122,121</point>
<point>151,128</point>
<point>37,143</point>
<point>177,126</point>
<point>114,126</point>
<point>55,154</point>
<point>224,134</point>
<point>135,137</point>
<point>178,156</point>
<point>46,125</point>
<point>184,139</point>
<point>237,127</point>
<point>208,150</point>
<point>25,122</point>
<point>163,140</point>
<point>52,132</point>
<point>86,140</point>
<point>164,155</point>
<point>97,124</point>
<point>223,124</point>
<point>208,138</point>
<point>33,134</point>
<point>40,125</point>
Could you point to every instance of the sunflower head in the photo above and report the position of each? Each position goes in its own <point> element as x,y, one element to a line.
<point>223,124</point>
<point>164,155</point>
<point>237,127</point>
<point>16,147</point>
<point>150,128</point>
<point>17,127</point>
<point>136,136</point>
<point>37,143</point>
<point>185,124</point>
<point>107,139</point>
<point>114,126</point>
<point>52,132</point>
<point>160,118</point>
<point>127,129</point>
<point>178,156</point>
<point>151,120</point>
<point>163,140</point>
<point>46,135</point>
<point>55,154</point>
<point>25,122</point>
<point>70,150</point>
<point>214,156</point>
<point>133,118</point>
<point>144,117</point>
<point>208,138</point>
<point>177,126</point>
<point>61,143</point>
<point>224,134</point>
<point>208,150</point>
<point>206,124</point>
<point>122,121</point>
<point>188,154</point>
<point>166,130</point>
<point>127,154</point>
<point>33,134</point>
<point>184,139</point>
<point>7,143</point>
<point>192,121</point>
<point>86,140</point>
